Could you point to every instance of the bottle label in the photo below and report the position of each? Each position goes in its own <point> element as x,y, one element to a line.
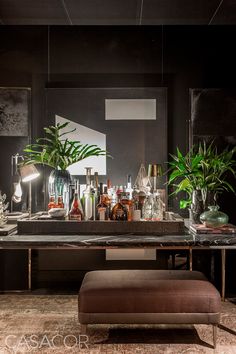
<point>119,212</point>
<point>75,217</point>
<point>102,214</point>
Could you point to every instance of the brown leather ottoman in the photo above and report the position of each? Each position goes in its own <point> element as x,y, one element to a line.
<point>148,297</point>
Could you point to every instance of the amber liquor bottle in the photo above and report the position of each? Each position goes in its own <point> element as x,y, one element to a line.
<point>51,203</point>
<point>60,203</point>
<point>119,211</point>
<point>76,211</point>
<point>102,209</point>
<point>128,203</point>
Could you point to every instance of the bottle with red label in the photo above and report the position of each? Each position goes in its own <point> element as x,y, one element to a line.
<point>51,203</point>
<point>102,209</point>
<point>76,211</point>
<point>60,203</point>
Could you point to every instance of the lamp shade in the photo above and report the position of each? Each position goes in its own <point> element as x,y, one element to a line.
<point>155,170</point>
<point>28,172</point>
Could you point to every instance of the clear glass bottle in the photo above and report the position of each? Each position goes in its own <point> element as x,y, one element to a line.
<point>214,217</point>
<point>88,196</point>
<point>148,208</point>
<point>129,189</point>
<point>95,193</point>
<point>158,207</point>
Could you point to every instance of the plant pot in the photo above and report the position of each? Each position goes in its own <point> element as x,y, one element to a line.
<point>59,185</point>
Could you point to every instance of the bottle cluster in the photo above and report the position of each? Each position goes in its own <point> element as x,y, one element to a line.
<point>102,202</point>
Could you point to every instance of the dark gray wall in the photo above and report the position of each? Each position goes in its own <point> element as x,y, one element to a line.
<point>197,57</point>
<point>192,57</point>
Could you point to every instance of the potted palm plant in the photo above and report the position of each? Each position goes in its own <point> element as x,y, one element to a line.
<point>202,173</point>
<point>58,152</point>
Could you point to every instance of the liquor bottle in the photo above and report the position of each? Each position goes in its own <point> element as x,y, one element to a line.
<point>51,203</point>
<point>119,211</point>
<point>109,187</point>
<point>129,189</point>
<point>100,188</point>
<point>102,209</point>
<point>76,211</point>
<point>60,203</point>
<point>107,201</point>
<point>88,196</point>
<point>72,189</point>
<point>128,203</point>
<point>113,196</point>
<point>148,207</point>
<point>158,207</point>
<point>96,180</point>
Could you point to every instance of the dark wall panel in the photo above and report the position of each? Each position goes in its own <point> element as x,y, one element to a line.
<point>176,57</point>
<point>130,142</point>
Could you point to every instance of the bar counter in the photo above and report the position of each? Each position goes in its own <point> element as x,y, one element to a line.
<point>185,241</point>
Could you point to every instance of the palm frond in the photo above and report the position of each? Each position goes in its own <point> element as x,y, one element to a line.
<point>55,152</point>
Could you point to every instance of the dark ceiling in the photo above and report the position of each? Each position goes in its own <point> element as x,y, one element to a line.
<point>117,12</point>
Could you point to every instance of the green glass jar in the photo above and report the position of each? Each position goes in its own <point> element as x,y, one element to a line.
<point>214,217</point>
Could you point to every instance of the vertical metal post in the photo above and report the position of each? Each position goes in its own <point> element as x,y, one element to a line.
<point>29,270</point>
<point>212,266</point>
<point>190,258</point>
<point>30,200</point>
<point>223,260</point>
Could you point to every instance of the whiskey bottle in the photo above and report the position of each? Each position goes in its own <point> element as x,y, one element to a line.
<point>119,211</point>
<point>128,203</point>
<point>102,209</point>
<point>76,211</point>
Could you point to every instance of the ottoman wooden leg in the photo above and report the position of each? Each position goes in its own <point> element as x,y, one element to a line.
<point>83,329</point>
<point>214,335</point>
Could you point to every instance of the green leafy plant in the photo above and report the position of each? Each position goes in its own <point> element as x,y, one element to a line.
<point>204,169</point>
<point>59,153</point>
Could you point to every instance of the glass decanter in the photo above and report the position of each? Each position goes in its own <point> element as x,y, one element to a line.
<point>214,217</point>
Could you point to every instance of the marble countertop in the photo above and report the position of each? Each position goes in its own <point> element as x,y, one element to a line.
<point>184,240</point>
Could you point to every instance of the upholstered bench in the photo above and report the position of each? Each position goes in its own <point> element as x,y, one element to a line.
<point>148,297</point>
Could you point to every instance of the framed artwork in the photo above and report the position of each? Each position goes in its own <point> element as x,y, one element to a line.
<point>213,114</point>
<point>14,111</point>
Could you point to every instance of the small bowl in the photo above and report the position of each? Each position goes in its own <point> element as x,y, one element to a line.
<point>57,213</point>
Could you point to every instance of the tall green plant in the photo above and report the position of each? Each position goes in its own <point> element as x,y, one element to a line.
<point>59,153</point>
<point>204,169</point>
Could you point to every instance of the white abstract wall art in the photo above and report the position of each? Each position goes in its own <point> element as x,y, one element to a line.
<point>86,136</point>
<point>130,109</point>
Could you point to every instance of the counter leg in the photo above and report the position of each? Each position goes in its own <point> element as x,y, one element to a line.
<point>29,270</point>
<point>190,258</point>
<point>223,260</point>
